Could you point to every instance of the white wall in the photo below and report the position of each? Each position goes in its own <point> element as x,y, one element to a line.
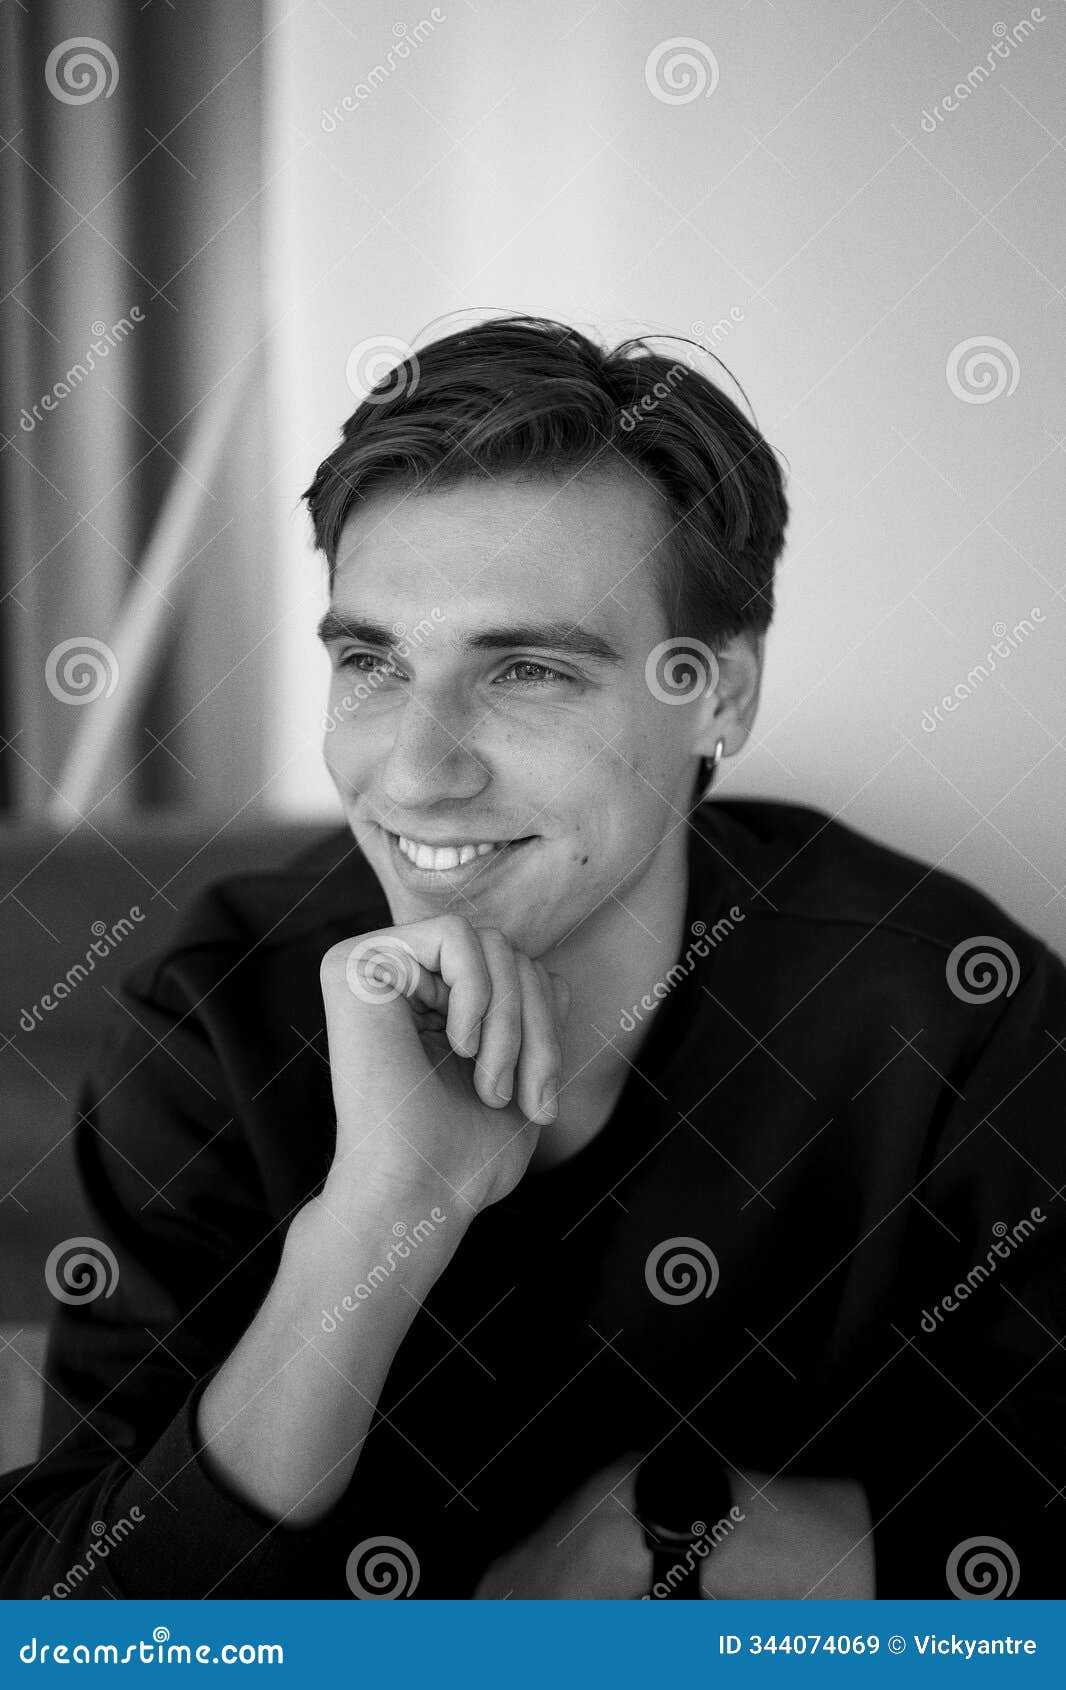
<point>517,159</point>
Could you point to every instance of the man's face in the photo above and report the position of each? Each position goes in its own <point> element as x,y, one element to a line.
<point>517,739</point>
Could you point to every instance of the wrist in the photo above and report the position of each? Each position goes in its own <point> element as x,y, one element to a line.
<point>387,1221</point>
<point>684,1504</point>
<point>379,1201</point>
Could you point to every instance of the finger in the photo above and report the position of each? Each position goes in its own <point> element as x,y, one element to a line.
<point>540,1059</point>
<point>441,966</point>
<point>466,973</point>
<point>501,1026</point>
<point>381,966</point>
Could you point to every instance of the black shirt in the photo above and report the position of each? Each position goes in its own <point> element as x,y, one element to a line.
<point>848,1123</point>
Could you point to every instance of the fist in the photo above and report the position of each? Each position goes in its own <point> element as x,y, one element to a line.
<point>445,1049</point>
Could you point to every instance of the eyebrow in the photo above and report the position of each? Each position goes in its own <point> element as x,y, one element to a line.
<point>551,636</point>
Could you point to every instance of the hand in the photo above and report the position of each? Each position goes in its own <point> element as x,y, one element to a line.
<point>802,1538</point>
<point>424,1020</point>
<point>590,1548</point>
<point>815,1541</point>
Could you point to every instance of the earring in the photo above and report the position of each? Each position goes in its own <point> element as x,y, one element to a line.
<point>708,770</point>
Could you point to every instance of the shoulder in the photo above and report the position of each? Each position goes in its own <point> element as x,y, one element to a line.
<point>268,920</point>
<point>809,874</point>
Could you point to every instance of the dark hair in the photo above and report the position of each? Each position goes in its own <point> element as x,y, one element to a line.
<point>525,396</point>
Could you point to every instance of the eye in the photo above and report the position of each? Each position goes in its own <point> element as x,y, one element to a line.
<point>545,670</point>
<point>355,659</point>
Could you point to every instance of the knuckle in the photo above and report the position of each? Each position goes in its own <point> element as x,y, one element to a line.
<point>335,960</point>
<point>453,924</point>
<point>474,975</point>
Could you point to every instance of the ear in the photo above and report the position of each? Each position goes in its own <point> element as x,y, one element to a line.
<point>728,708</point>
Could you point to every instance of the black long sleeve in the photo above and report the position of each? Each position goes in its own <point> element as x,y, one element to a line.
<point>845,1134</point>
<point>176,1198</point>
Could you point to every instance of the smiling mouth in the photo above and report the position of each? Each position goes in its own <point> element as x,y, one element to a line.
<point>453,862</point>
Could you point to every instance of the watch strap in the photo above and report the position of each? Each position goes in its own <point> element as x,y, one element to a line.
<point>681,1491</point>
<point>675,1565</point>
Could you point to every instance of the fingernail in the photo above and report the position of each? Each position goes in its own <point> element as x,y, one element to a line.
<point>503,1088</point>
<point>549,1097</point>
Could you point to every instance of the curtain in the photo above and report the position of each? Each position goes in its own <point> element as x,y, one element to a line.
<point>133,548</point>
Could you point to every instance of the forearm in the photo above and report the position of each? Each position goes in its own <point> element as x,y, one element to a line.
<point>284,1419</point>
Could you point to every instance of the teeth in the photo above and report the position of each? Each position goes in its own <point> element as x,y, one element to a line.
<point>447,856</point>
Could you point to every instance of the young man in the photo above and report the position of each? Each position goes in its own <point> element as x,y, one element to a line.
<point>554,1185</point>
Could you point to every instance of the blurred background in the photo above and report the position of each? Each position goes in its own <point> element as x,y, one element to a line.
<point>223,223</point>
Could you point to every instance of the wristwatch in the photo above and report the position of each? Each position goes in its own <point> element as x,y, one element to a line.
<point>681,1492</point>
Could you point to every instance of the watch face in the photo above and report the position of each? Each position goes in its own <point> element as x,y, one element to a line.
<point>681,1484</point>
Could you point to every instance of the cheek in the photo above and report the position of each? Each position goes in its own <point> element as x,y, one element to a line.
<point>653,754</point>
<point>614,831</point>
<point>629,760</point>
<point>588,845</point>
<point>347,742</point>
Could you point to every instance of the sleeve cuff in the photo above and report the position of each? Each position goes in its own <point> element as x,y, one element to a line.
<point>197,1538</point>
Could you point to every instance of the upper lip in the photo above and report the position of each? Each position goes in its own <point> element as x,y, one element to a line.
<point>470,839</point>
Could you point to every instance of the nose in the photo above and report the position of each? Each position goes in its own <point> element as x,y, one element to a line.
<point>428,759</point>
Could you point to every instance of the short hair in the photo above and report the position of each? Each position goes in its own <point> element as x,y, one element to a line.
<point>523,397</point>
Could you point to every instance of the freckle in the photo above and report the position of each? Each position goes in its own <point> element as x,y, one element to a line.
<point>584,860</point>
